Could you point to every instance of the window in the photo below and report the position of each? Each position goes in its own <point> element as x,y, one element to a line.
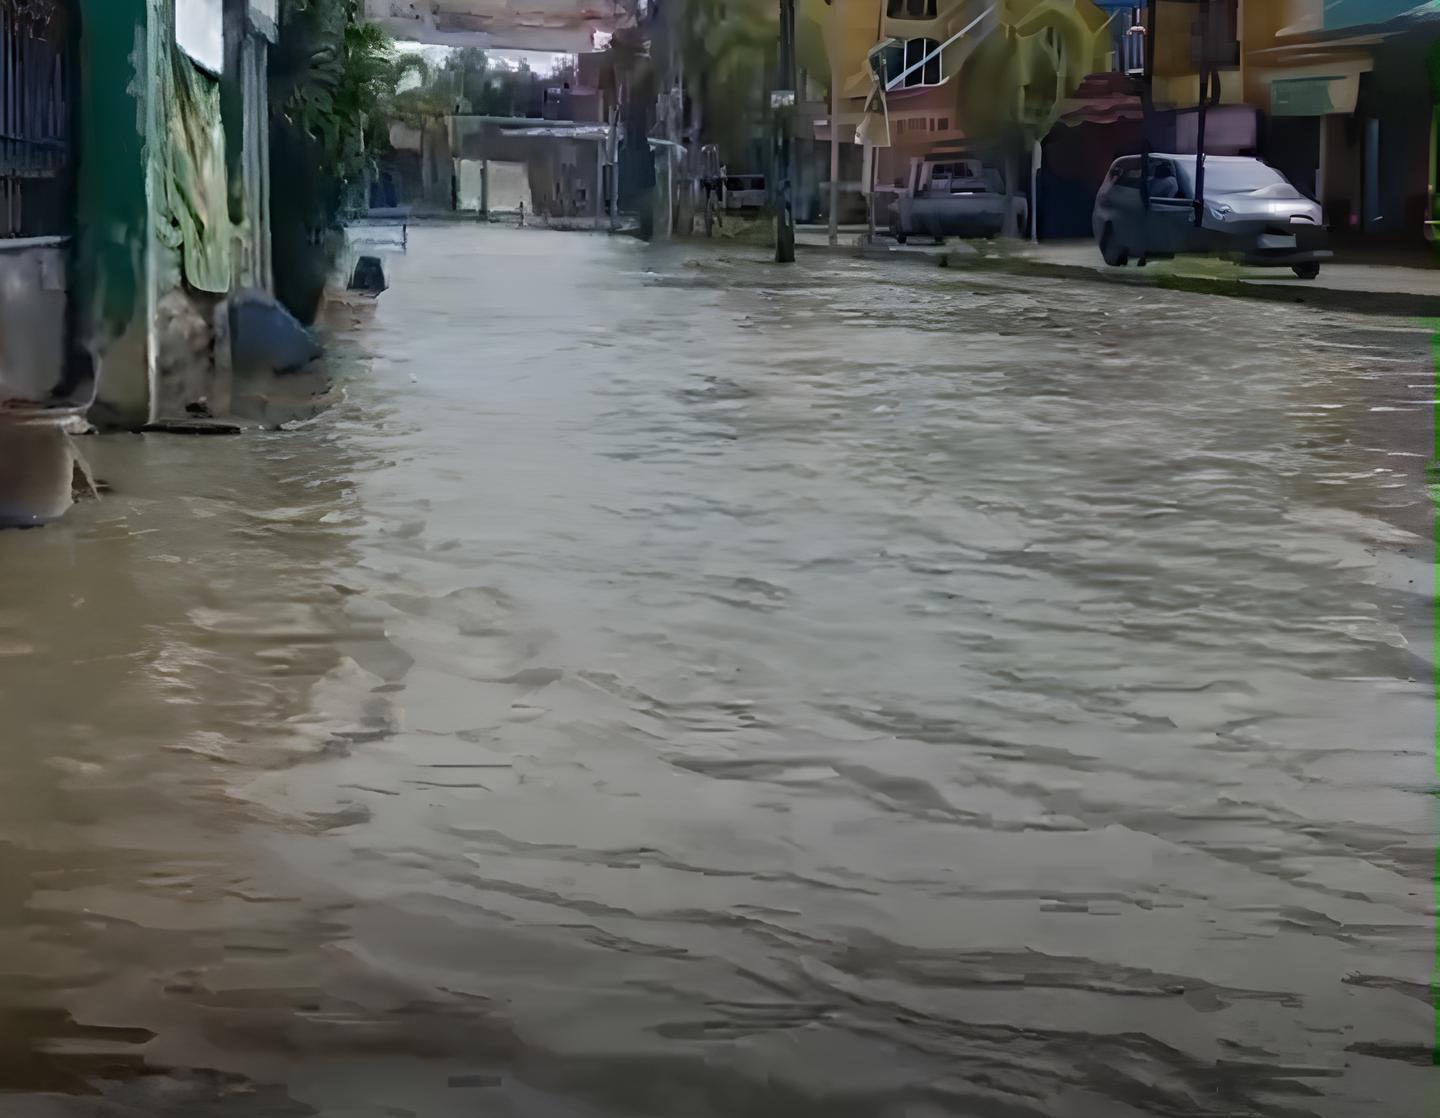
<point>35,108</point>
<point>944,124</point>
<point>1134,48</point>
<point>888,60</point>
<point>1227,177</point>
<point>1127,174</point>
<point>910,9</point>
<point>929,73</point>
<point>1163,182</point>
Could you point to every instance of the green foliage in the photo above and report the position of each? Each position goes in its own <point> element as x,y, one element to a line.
<point>468,82</point>
<point>729,50</point>
<point>1011,89</point>
<point>336,80</point>
<point>333,88</point>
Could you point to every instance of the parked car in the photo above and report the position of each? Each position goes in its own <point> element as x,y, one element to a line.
<point>745,192</point>
<point>1146,209</point>
<point>952,197</point>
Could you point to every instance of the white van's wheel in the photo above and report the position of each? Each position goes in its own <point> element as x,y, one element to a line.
<point>1113,252</point>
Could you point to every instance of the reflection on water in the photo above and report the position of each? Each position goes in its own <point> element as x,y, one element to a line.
<point>672,686</point>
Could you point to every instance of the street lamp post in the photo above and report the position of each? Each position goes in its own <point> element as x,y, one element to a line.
<point>783,103</point>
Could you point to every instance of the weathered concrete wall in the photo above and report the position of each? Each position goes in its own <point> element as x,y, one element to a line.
<point>508,186</point>
<point>197,249</point>
<point>32,320</point>
<point>560,174</point>
<point>190,359</point>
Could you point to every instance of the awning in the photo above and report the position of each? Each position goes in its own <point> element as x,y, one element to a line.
<point>1101,110</point>
<point>597,133</point>
<point>1102,99</point>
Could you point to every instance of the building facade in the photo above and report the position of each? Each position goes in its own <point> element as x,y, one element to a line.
<point>923,78</point>
<point>133,204</point>
<point>1347,90</point>
<point>173,197</point>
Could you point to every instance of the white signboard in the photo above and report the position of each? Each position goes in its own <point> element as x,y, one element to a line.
<point>200,32</point>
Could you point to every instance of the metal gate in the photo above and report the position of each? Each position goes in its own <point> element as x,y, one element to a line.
<point>36,97</point>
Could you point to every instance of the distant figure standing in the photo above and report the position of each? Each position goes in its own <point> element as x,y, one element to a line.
<point>522,215</point>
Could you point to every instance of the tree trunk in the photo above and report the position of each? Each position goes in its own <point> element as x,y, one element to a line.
<point>1011,227</point>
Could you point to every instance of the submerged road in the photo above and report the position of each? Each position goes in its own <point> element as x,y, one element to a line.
<point>670,685</point>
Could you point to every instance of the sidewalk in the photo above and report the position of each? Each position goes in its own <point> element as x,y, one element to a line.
<point>1400,288</point>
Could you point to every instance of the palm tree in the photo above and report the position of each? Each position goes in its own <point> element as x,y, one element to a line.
<point>334,81</point>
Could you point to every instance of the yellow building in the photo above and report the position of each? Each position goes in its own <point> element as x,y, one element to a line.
<point>916,76</point>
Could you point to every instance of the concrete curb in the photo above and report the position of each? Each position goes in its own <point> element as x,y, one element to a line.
<point>1390,303</point>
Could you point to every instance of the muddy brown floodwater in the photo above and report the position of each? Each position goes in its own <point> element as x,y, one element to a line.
<point>673,686</point>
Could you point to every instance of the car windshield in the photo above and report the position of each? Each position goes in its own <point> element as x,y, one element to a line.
<point>966,177</point>
<point>1231,178</point>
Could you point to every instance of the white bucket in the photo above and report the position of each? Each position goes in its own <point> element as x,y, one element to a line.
<point>37,472</point>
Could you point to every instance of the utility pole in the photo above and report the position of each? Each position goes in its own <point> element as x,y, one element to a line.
<point>834,162</point>
<point>1209,94</point>
<point>837,7</point>
<point>1147,86</point>
<point>782,102</point>
<point>613,147</point>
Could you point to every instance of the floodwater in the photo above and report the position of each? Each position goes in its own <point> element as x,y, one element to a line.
<point>672,685</point>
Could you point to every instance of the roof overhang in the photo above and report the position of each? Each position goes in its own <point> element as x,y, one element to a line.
<point>561,26</point>
<point>593,133</point>
<point>533,128</point>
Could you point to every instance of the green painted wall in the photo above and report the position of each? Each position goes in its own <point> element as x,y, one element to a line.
<point>111,198</point>
<point>112,207</point>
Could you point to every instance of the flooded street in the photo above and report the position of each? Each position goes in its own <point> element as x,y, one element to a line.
<point>670,685</point>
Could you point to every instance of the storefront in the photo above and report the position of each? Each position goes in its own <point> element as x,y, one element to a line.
<point>1350,117</point>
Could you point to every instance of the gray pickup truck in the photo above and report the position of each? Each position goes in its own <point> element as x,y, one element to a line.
<point>953,198</point>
